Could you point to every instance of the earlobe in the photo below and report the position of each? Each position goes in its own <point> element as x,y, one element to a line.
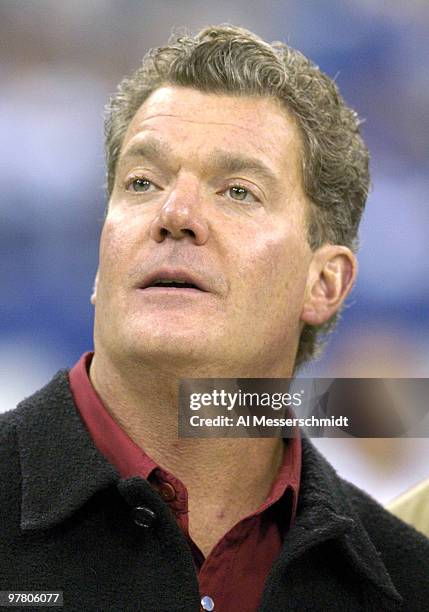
<point>94,290</point>
<point>331,277</point>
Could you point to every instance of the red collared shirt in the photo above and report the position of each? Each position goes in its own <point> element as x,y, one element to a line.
<point>234,572</point>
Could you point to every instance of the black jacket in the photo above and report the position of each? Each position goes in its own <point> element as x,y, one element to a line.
<point>68,522</point>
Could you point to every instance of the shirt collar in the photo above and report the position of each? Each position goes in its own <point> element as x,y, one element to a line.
<point>109,437</point>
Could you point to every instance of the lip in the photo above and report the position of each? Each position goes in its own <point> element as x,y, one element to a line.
<point>174,274</point>
<point>173,291</point>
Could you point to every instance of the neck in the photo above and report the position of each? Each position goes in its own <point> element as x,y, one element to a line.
<point>144,402</point>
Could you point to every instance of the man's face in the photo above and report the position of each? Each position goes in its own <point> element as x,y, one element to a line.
<point>209,186</point>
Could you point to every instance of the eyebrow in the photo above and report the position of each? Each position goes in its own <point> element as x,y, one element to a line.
<point>219,159</point>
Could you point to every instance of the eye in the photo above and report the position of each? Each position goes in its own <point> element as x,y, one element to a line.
<point>240,193</point>
<point>139,185</point>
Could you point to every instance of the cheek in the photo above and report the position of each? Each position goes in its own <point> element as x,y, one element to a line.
<point>115,245</point>
<point>275,272</point>
<point>114,257</point>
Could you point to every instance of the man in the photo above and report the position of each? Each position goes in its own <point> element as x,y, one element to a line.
<point>236,179</point>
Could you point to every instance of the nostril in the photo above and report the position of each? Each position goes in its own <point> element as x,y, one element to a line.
<point>163,232</point>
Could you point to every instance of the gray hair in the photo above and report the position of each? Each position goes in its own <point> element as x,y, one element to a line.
<point>235,61</point>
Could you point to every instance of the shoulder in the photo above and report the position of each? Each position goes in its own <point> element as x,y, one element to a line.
<point>10,473</point>
<point>31,417</point>
<point>403,550</point>
<point>7,435</point>
<point>56,390</point>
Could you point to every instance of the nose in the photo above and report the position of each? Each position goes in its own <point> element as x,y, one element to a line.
<point>181,215</point>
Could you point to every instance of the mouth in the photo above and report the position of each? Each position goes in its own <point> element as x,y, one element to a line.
<point>171,282</point>
<point>173,287</point>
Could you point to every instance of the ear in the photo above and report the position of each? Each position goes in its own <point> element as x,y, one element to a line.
<point>94,290</point>
<point>332,272</point>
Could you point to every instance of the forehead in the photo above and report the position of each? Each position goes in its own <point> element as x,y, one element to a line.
<point>199,120</point>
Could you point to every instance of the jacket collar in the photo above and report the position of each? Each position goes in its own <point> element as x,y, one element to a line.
<point>325,511</point>
<point>60,478</point>
<point>61,467</point>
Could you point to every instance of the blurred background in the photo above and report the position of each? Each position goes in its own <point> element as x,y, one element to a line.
<point>59,63</point>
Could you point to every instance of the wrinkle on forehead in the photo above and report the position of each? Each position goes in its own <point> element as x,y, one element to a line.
<point>169,98</point>
<point>205,122</point>
<point>269,142</point>
<point>269,128</point>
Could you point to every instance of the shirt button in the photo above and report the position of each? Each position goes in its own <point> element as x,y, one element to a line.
<point>167,491</point>
<point>207,603</point>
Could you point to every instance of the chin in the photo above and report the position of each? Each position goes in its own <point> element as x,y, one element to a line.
<point>168,345</point>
